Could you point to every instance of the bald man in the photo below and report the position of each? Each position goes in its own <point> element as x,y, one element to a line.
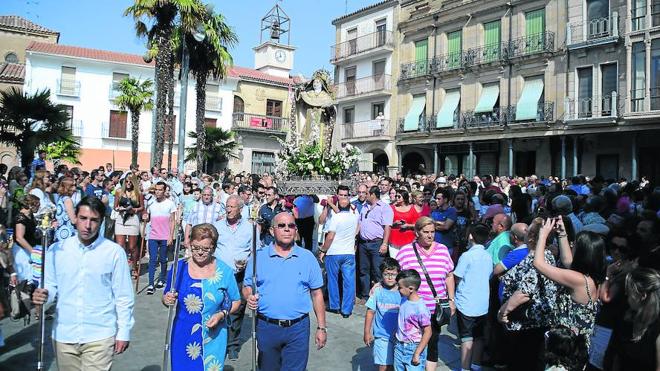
<point>500,245</point>
<point>517,237</point>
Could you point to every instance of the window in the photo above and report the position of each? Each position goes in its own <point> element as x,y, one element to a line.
<point>377,109</point>
<point>454,41</point>
<point>213,100</point>
<point>638,15</point>
<point>210,123</point>
<point>609,81</point>
<point>349,78</point>
<point>117,127</point>
<point>492,41</point>
<point>598,13</point>
<point>69,111</point>
<point>11,57</point>
<point>585,92</point>
<point>239,108</point>
<point>655,13</point>
<point>638,76</point>
<point>421,56</point>
<point>352,41</point>
<point>381,33</point>
<point>349,115</point>
<point>379,75</point>
<point>655,74</point>
<point>273,108</point>
<point>263,162</point>
<point>116,80</point>
<point>68,81</point>
<point>535,31</point>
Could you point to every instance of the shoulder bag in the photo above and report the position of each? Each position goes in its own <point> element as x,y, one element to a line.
<point>442,310</point>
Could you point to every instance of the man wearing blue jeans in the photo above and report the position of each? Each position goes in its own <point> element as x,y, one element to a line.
<point>375,224</point>
<point>289,283</point>
<point>161,215</point>
<point>338,250</point>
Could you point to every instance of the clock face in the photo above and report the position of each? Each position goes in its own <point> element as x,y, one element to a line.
<point>280,56</point>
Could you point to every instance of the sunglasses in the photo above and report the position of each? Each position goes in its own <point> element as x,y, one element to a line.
<point>389,275</point>
<point>201,248</point>
<point>398,196</point>
<point>285,225</point>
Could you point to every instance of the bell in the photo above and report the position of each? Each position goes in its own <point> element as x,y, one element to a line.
<point>275,31</point>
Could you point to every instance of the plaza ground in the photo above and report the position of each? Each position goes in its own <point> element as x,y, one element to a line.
<point>345,349</point>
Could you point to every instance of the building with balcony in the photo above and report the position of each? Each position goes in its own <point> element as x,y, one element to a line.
<point>365,78</point>
<point>87,80</point>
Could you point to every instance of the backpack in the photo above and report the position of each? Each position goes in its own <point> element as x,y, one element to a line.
<point>20,301</point>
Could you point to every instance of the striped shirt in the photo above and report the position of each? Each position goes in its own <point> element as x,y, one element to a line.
<point>437,262</point>
<point>202,213</point>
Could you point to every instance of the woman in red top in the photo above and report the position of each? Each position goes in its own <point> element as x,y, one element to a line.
<point>419,203</point>
<point>403,226</point>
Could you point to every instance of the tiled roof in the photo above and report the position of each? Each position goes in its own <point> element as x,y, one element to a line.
<point>368,7</point>
<point>20,23</point>
<point>78,52</point>
<point>249,73</point>
<point>12,72</point>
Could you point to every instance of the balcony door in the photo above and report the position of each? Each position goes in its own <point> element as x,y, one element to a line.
<point>116,80</point>
<point>585,92</point>
<point>379,75</point>
<point>492,41</point>
<point>598,22</point>
<point>68,81</point>
<point>609,81</point>
<point>655,73</point>
<point>421,56</point>
<point>638,76</point>
<point>349,80</point>
<point>454,47</point>
<point>274,111</point>
<point>351,35</point>
<point>535,31</point>
<point>381,32</point>
<point>118,122</point>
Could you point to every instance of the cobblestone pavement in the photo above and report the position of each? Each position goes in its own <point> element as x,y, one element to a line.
<point>344,350</point>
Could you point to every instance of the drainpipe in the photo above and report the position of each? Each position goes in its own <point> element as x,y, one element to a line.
<point>435,46</point>
<point>568,58</point>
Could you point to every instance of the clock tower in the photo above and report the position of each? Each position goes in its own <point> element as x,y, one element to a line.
<point>272,56</point>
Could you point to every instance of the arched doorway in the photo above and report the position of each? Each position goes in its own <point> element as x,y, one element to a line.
<point>413,163</point>
<point>381,161</point>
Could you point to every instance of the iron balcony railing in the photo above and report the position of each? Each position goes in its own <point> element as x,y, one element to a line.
<point>374,40</point>
<point>544,113</point>
<point>592,107</point>
<point>423,125</point>
<point>76,127</point>
<point>68,87</point>
<point>365,129</point>
<point>543,42</point>
<point>119,131</point>
<point>593,30</point>
<point>249,121</point>
<point>655,99</point>
<point>637,97</point>
<point>471,119</point>
<point>483,54</point>
<point>415,69</point>
<point>448,62</point>
<point>213,103</point>
<point>363,85</point>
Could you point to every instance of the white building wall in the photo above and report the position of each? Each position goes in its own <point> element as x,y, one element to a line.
<point>367,24</point>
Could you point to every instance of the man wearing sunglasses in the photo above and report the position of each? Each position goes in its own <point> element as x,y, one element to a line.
<point>289,283</point>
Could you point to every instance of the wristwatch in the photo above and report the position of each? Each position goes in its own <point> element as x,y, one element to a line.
<point>324,329</point>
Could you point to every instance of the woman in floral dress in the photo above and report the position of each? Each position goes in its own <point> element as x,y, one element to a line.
<point>208,293</point>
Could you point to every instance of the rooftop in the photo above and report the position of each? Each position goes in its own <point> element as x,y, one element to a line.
<point>21,24</point>
<point>12,72</point>
<point>380,4</point>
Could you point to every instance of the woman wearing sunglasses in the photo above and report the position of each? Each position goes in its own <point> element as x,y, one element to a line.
<point>208,292</point>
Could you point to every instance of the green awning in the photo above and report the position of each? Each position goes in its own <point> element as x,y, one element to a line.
<point>411,122</point>
<point>489,95</point>
<point>445,117</point>
<point>528,102</point>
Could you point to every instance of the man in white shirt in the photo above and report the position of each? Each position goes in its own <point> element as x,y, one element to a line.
<point>90,277</point>
<point>206,210</point>
<point>339,252</point>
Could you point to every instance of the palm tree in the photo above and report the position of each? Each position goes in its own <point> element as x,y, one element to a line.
<point>218,147</point>
<point>209,57</point>
<point>28,121</point>
<point>135,96</point>
<point>162,15</point>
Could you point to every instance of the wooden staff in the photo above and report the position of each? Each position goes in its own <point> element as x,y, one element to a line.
<point>45,228</point>
<point>172,308</point>
<point>255,221</point>
<point>139,257</point>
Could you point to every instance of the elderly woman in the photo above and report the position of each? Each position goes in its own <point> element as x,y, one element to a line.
<point>424,254</point>
<point>208,293</point>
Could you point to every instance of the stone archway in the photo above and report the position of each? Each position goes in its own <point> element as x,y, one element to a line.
<point>381,161</point>
<point>413,163</point>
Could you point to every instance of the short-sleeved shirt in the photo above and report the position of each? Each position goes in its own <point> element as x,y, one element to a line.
<point>413,317</point>
<point>284,283</point>
<point>511,260</point>
<point>447,237</point>
<point>499,247</point>
<point>159,217</point>
<point>373,219</point>
<point>343,224</point>
<point>96,191</point>
<point>385,303</point>
<point>472,294</point>
<point>203,213</point>
<point>234,242</point>
<point>305,206</point>
<point>266,214</point>
<point>437,262</point>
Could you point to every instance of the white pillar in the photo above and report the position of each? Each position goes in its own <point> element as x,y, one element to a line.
<point>633,170</point>
<point>436,160</point>
<point>470,162</point>
<point>563,157</point>
<point>510,142</point>
<point>575,155</point>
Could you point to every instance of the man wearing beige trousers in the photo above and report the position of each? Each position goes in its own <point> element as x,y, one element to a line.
<point>90,278</point>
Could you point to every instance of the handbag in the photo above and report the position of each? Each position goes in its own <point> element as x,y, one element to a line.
<point>442,309</point>
<point>20,301</point>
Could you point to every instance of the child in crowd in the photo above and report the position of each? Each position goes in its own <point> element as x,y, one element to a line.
<point>382,311</point>
<point>413,325</point>
<point>563,349</point>
<point>473,273</point>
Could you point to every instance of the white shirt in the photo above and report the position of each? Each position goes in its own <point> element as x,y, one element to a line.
<point>344,224</point>
<point>93,288</point>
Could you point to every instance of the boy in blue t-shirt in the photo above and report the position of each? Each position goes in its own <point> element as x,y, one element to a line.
<point>413,325</point>
<point>382,311</point>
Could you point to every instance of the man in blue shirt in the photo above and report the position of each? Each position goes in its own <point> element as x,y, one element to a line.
<point>38,163</point>
<point>444,217</point>
<point>304,207</point>
<point>361,198</point>
<point>233,248</point>
<point>289,282</point>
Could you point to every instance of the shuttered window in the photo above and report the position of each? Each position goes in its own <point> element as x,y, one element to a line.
<point>492,41</point>
<point>534,30</point>
<point>454,41</point>
<point>118,122</point>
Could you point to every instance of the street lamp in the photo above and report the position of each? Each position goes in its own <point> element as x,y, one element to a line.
<point>199,35</point>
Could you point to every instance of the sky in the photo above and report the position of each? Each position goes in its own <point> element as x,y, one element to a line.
<point>100,24</point>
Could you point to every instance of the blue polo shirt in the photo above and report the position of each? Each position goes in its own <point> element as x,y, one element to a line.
<point>284,284</point>
<point>474,268</point>
<point>233,243</point>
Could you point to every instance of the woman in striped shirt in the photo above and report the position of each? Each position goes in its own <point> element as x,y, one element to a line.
<point>437,261</point>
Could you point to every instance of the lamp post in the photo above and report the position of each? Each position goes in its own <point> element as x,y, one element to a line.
<point>199,35</point>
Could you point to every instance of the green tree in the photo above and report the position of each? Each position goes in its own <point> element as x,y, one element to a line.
<point>209,58</point>
<point>155,20</point>
<point>135,96</point>
<point>218,147</point>
<point>67,150</point>
<point>28,121</point>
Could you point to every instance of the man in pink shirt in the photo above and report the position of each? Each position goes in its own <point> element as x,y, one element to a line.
<point>161,216</point>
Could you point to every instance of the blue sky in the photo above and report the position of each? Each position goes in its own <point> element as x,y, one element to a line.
<point>100,24</point>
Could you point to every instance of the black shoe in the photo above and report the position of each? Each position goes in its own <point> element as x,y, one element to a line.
<point>159,284</point>
<point>345,315</point>
<point>232,355</point>
<point>335,311</point>
<point>150,290</point>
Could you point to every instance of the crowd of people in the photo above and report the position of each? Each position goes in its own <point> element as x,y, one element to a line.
<point>529,273</point>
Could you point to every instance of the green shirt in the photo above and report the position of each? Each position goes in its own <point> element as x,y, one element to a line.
<point>499,247</point>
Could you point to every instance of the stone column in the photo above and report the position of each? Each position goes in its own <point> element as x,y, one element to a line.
<point>510,143</point>
<point>563,157</point>
<point>633,165</point>
<point>436,160</point>
<point>470,162</point>
<point>575,155</point>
